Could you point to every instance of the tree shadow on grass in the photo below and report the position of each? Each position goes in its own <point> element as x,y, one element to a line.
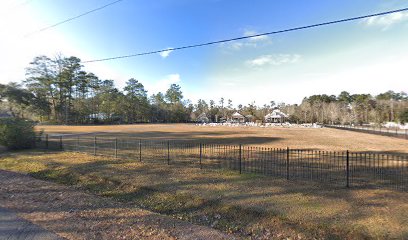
<point>31,197</point>
<point>196,205</point>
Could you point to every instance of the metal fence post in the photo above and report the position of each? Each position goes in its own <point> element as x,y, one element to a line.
<point>168,152</point>
<point>140,150</point>
<point>240,158</point>
<point>46,141</point>
<point>77,143</point>
<point>201,155</point>
<point>347,169</point>
<point>60,142</point>
<point>94,145</point>
<point>287,163</point>
<point>116,147</point>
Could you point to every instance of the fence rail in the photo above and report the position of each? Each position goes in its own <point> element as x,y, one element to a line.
<point>342,168</point>
<point>393,132</point>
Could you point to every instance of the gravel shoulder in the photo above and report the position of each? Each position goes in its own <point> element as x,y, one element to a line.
<point>73,214</point>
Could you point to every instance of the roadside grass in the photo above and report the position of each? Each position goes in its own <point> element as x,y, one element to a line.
<point>247,205</point>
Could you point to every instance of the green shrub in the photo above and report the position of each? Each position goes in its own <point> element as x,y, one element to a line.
<point>16,133</point>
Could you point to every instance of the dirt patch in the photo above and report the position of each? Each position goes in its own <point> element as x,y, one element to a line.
<point>277,137</point>
<point>73,214</point>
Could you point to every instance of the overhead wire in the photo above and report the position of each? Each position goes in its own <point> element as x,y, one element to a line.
<point>249,36</point>
<point>73,18</point>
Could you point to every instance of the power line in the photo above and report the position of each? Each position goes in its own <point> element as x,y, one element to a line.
<point>22,4</point>
<point>73,18</point>
<point>16,7</point>
<point>249,36</point>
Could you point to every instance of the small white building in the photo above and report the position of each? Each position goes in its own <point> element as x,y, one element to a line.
<point>276,116</point>
<point>237,117</point>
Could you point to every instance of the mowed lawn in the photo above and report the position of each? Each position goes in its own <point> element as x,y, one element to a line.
<point>298,138</point>
<point>247,205</point>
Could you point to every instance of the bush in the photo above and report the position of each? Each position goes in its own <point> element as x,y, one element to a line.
<point>16,133</point>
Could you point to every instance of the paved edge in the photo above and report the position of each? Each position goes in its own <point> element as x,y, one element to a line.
<point>13,227</point>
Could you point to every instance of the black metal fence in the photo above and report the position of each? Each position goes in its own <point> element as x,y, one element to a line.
<point>343,168</point>
<point>393,132</point>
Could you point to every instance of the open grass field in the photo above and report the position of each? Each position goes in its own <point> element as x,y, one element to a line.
<point>246,206</point>
<point>298,138</point>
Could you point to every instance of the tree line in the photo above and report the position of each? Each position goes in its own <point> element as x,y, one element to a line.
<point>351,109</point>
<point>58,90</point>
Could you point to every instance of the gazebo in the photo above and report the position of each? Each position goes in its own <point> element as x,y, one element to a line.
<point>276,116</point>
<point>237,117</point>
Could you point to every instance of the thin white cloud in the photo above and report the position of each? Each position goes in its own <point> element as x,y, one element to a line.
<point>165,54</point>
<point>255,39</point>
<point>276,60</point>
<point>386,21</point>
<point>247,43</point>
<point>163,84</point>
<point>238,45</point>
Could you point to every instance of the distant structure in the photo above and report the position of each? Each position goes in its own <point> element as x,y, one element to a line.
<point>98,116</point>
<point>223,119</point>
<point>202,118</point>
<point>238,118</point>
<point>276,116</point>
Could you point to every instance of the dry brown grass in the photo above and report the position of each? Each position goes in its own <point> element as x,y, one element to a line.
<point>73,214</point>
<point>245,205</point>
<point>303,138</point>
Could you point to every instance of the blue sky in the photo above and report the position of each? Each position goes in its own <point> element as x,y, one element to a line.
<point>362,56</point>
